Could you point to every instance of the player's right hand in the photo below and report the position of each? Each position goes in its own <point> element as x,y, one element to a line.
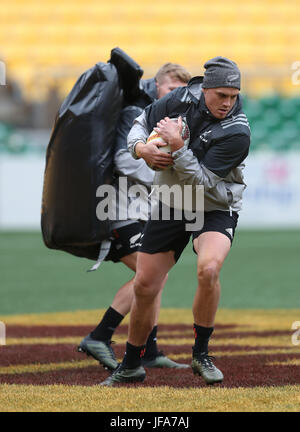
<point>153,156</point>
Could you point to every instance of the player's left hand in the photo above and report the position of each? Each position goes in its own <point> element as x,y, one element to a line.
<point>170,131</point>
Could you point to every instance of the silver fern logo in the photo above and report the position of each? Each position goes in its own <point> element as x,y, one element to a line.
<point>203,137</point>
<point>232,78</point>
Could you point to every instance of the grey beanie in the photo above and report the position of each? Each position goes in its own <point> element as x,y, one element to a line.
<point>221,72</point>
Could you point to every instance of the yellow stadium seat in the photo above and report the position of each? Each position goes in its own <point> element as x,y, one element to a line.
<point>73,34</point>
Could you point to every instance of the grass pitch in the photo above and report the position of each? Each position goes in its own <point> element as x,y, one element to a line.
<point>261,271</point>
<point>48,304</point>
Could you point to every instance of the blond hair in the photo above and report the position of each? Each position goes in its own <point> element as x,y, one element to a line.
<point>175,71</point>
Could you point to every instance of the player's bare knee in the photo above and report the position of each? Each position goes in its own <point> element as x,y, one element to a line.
<point>208,273</point>
<point>144,288</point>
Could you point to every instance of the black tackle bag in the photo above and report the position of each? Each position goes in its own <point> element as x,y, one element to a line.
<point>79,156</point>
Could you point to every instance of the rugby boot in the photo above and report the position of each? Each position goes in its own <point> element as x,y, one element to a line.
<point>99,350</point>
<point>202,365</point>
<point>161,361</point>
<point>124,375</point>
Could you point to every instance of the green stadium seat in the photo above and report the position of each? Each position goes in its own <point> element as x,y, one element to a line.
<point>12,141</point>
<point>296,102</point>
<point>270,101</point>
<point>278,127</point>
<point>272,119</point>
<point>290,131</point>
<point>259,131</point>
<point>288,108</point>
<point>5,132</point>
<point>253,109</point>
<point>259,136</point>
<point>297,119</point>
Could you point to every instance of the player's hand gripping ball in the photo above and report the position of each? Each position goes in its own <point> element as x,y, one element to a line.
<point>165,148</point>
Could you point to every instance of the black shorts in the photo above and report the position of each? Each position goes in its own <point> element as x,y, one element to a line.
<point>125,241</point>
<point>220,221</point>
<point>166,235</point>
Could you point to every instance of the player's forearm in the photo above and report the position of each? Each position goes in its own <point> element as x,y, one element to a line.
<point>139,149</point>
<point>138,135</point>
<point>135,170</point>
<point>191,172</point>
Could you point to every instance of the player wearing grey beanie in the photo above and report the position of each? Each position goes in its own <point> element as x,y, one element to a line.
<point>214,159</point>
<point>221,72</point>
<point>221,86</point>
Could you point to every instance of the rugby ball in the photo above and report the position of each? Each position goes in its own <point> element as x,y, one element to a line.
<point>154,136</point>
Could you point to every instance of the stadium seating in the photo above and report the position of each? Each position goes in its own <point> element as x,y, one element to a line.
<point>49,44</point>
<point>77,34</point>
<point>274,122</point>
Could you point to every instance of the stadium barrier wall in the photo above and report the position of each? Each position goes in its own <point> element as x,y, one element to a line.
<point>271,200</point>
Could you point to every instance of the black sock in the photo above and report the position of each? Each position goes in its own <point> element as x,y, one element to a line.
<point>133,356</point>
<point>202,335</point>
<point>105,329</point>
<point>151,345</point>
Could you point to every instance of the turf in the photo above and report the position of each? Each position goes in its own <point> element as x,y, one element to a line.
<point>90,399</point>
<point>40,369</point>
<point>261,271</point>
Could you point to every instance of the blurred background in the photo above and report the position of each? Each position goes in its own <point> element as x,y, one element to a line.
<point>45,46</point>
